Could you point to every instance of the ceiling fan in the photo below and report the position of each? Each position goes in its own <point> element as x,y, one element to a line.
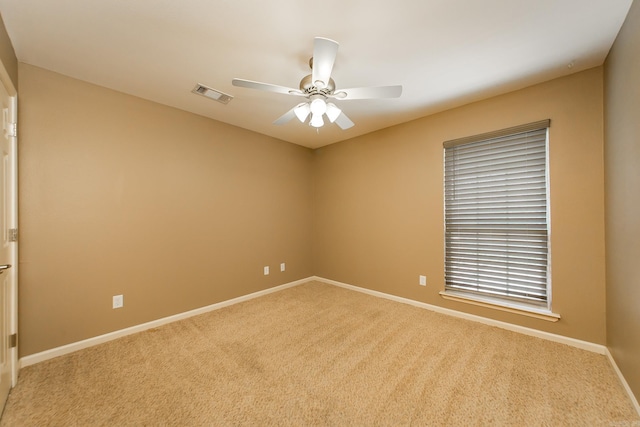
<point>318,87</point>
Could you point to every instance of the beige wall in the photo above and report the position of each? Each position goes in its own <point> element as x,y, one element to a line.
<point>379,202</point>
<point>119,195</point>
<point>622,165</point>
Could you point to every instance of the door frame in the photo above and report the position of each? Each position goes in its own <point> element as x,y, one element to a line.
<point>12,220</point>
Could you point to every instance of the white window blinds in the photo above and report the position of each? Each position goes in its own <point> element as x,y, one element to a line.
<point>496,228</point>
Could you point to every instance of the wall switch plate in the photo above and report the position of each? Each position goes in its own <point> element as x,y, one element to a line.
<point>282,267</point>
<point>423,280</point>
<point>266,270</point>
<point>118,301</point>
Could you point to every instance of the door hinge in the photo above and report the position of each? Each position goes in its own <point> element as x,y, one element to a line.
<point>13,341</point>
<point>12,130</point>
<point>13,234</point>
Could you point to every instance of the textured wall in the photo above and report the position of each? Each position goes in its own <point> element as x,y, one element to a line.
<point>119,195</point>
<point>622,165</point>
<point>379,202</point>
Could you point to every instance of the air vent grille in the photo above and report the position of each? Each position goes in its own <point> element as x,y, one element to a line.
<point>216,95</point>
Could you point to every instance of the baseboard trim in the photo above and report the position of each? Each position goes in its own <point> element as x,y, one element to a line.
<point>79,345</point>
<point>585,345</point>
<point>624,382</point>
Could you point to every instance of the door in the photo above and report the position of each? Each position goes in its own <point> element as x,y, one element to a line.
<point>8,245</point>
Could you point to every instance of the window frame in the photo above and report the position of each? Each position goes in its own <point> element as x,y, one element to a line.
<point>499,302</point>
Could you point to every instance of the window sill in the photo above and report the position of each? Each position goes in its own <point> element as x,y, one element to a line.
<point>488,303</point>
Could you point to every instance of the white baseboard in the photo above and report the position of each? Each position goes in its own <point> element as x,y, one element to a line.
<point>585,345</point>
<point>70,348</point>
<point>79,345</point>
<point>624,382</point>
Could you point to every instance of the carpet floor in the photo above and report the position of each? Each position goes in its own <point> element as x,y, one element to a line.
<point>317,354</point>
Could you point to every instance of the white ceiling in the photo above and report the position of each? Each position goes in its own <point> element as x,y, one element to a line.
<point>443,52</point>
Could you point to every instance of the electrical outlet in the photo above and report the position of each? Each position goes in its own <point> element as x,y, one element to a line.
<point>118,301</point>
<point>423,280</point>
<point>266,270</point>
<point>282,266</point>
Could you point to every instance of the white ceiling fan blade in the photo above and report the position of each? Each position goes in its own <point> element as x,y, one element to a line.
<point>286,117</point>
<point>324,55</point>
<point>266,87</point>
<point>343,121</point>
<point>369,92</point>
<point>332,112</point>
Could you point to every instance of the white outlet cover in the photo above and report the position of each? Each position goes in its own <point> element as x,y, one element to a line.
<point>266,270</point>
<point>282,267</point>
<point>423,280</point>
<point>118,301</point>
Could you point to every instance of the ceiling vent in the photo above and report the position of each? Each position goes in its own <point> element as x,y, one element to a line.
<point>216,95</point>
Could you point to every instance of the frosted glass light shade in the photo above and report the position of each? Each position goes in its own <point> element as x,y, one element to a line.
<point>316,120</point>
<point>302,111</point>
<point>318,107</point>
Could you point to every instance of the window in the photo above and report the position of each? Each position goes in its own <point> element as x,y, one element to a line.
<point>496,217</point>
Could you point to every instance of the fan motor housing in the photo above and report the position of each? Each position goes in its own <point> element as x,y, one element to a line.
<point>307,86</point>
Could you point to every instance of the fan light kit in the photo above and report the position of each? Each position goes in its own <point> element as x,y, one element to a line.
<point>318,87</point>
<point>317,108</point>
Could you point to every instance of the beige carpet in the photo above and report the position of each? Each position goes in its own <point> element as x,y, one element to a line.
<point>317,354</point>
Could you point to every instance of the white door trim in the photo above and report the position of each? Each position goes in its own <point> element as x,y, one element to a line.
<point>9,87</point>
<point>13,224</point>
